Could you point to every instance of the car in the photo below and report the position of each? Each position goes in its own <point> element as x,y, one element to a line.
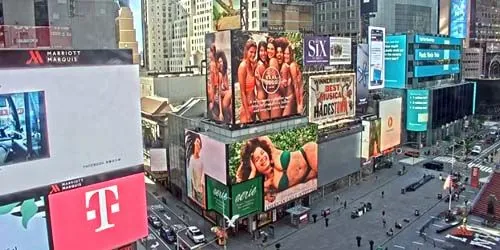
<point>168,234</point>
<point>195,234</point>
<point>414,154</point>
<point>155,222</point>
<point>383,164</point>
<point>476,150</point>
<point>434,165</point>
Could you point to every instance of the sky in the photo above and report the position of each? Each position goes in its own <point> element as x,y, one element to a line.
<point>135,6</point>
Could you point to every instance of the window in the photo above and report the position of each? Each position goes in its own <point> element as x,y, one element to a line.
<point>254,4</point>
<point>254,14</point>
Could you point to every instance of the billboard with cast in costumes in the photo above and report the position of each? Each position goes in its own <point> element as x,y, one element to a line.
<point>287,162</point>
<point>35,104</point>
<point>259,79</point>
<point>331,97</point>
<point>204,156</point>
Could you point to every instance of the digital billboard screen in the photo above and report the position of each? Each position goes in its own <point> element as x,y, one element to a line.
<point>417,109</point>
<point>23,224</point>
<point>339,157</point>
<point>362,74</point>
<point>287,161</point>
<point>436,70</point>
<point>104,215</point>
<point>376,45</point>
<point>438,40</point>
<point>340,50</point>
<point>365,140</point>
<point>42,109</point>
<point>436,54</point>
<point>390,118</point>
<point>395,61</point>
<point>331,97</point>
<point>226,15</point>
<point>458,18</point>
<point>375,130</point>
<point>204,157</point>
<point>324,50</point>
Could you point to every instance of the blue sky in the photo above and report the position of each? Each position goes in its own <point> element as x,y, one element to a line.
<point>135,5</point>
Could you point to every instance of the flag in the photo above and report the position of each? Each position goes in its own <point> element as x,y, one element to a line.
<point>448,183</point>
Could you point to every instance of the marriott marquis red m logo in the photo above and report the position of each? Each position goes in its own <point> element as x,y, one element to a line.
<point>35,57</point>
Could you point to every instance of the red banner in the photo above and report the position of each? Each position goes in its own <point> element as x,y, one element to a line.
<point>17,36</point>
<point>474,177</point>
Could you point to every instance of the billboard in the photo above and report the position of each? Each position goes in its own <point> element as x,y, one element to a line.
<point>417,109</point>
<point>474,177</point>
<point>204,156</point>
<point>100,216</point>
<point>217,196</point>
<point>158,159</point>
<point>287,160</point>
<point>365,140</point>
<point>36,105</point>
<point>267,75</point>
<point>340,51</point>
<point>376,46</point>
<point>247,197</point>
<point>316,50</point>
<point>331,97</point>
<point>395,61</point>
<point>437,40</point>
<point>362,74</point>
<point>436,54</point>
<point>390,118</point>
<point>324,50</point>
<point>339,157</point>
<point>436,70</point>
<point>375,130</point>
<point>458,18</point>
<point>219,88</point>
<point>226,14</point>
<point>18,36</point>
<point>23,224</point>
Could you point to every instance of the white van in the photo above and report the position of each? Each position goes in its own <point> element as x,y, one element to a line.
<point>476,150</point>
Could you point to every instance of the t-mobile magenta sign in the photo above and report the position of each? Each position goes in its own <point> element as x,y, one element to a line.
<point>105,215</point>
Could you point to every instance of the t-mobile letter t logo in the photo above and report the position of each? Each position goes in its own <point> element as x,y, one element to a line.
<point>103,212</point>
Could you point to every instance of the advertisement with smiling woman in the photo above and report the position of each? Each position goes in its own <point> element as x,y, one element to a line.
<point>287,161</point>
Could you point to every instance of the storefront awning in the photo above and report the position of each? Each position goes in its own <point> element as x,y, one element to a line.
<point>298,210</point>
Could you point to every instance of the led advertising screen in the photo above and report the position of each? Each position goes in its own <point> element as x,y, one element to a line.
<point>219,79</point>
<point>226,14</point>
<point>331,97</point>
<point>362,74</point>
<point>376,46</point>
<point>105,215</point>
<point>217,196</point>
<point>287,160</point>
<point>204,156</point>
<point>390,128</point>
<point>340,51</point>
<point>324,50</point>
<point>247,197</point>
<point>365,140</point>
<point>375,129</point>
<point>339,157</point>
<point>436,54</point>
<point>437,40</point>
<point>42,109</point>
<point>267,75</point>
<point>23,225</point>
<point>417,109</point>
<point>395,61</point>
<point>436,70</point>
<point>458,18</point>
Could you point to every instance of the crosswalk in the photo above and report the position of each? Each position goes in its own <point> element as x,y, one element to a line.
<point>447,159</point>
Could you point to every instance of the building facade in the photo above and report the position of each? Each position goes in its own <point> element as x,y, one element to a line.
<point>339,18</point>
<point>155,30</point>
<point>472,63</point>
<point>277,15</point>
<point>57,24</point>
<point>125,33</point>
<point>399,16</point>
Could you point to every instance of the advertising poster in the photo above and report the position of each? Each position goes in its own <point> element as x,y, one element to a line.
<point>362,74</point>
<point>339,157</point>
<point>376,52</point>
<point>317,50</point>
<point>288,162</point>
<point>437,40</point>
<point>219,79</point>
<point>436,70</point>
<point>376,46</point>
<point>217,197</point>
<point>267,75</point>
<point>365,140</point>
<point>331,97</point>
<point>35,103</point>
<point>458,18</point>
<point>158,159</point>
<point>436,54</point>
<point>100,216</point>
<point>340,51</point>
<point>226,14</point>
<point>474,177</point>
<point>390,115</point>
<point>23,225</point>
<point>247,197</point>
<point>417,109</point>
<point>375,126</point>
<point>204,156</point>
<point>395,62</point>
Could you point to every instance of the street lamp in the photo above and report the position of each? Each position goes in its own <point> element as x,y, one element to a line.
<point>226,220</point>
<point>177,237</point>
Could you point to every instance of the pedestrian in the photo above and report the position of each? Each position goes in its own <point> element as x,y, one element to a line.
<point>326,222</point>
<point>358,240</point>
<point>376,177</point>
<point>345,204</point>
<point>383,213</point>
<point>337,198</point>
<point>382,194</point>
<point>384,222</point>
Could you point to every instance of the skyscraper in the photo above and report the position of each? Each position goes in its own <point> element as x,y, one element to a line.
<point>125,32</point>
